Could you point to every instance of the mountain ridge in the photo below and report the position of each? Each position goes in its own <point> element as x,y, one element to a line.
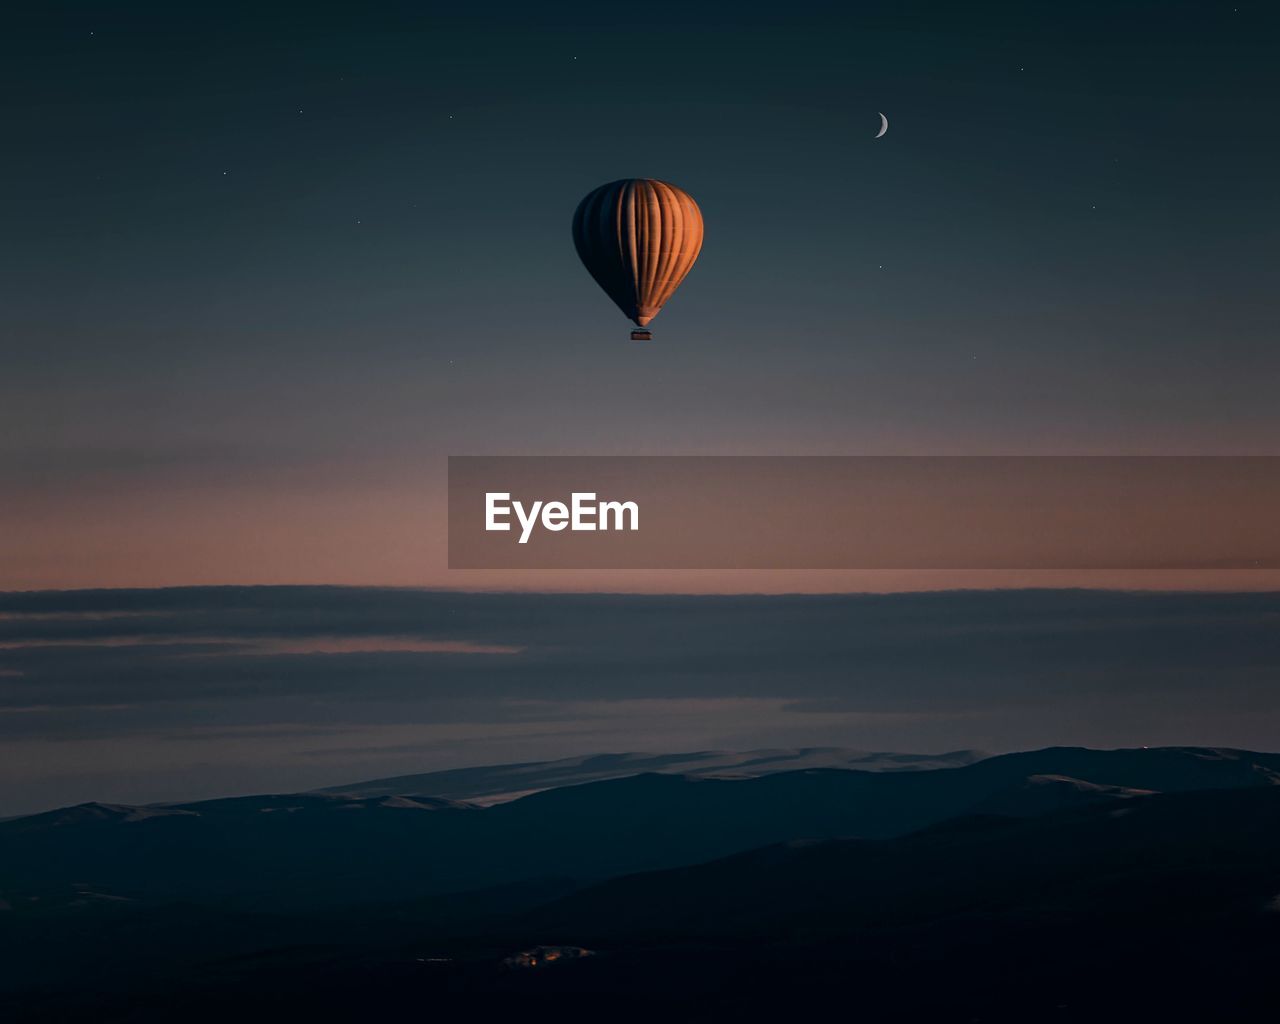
<point>329,849</point>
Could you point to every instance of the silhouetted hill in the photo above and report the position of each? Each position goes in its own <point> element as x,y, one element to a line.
<point>1163,906</point>
<point>316,850</point>
<point>1163,856</point>
<point>1040,794</point>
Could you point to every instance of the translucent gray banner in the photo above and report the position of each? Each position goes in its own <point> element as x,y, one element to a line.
<point>864,512</point>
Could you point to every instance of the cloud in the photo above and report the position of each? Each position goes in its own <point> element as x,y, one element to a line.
<point>869,652</point>
<point>375,671</point>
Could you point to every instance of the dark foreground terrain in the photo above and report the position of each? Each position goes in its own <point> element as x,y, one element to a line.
<point>1058,885</point>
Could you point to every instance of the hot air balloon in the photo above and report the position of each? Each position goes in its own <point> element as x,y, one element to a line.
<point>638,238</point>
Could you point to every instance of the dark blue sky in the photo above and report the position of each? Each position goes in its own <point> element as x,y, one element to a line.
<point>266,267</point>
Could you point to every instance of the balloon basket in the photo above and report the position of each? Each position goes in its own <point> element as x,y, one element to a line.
<point>642,334</point>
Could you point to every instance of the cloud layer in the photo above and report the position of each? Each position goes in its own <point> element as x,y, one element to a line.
<point>159,694</point>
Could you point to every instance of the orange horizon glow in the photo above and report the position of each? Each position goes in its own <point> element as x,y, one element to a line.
<point>346,530</point>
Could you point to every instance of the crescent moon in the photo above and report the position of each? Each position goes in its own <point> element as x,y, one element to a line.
<point>884,125</point>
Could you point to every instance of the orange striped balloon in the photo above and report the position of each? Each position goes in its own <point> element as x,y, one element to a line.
<point>638,238</point>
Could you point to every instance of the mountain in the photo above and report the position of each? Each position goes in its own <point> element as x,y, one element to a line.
<point>1163,856</point>
<point>1164,907</point>
<point>1040,794</point>
<point>318,850</point>
<point>1106,901</point>
<point>228,809</point>
<point>497,783</point>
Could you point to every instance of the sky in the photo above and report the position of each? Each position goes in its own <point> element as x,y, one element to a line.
<point>266,269</point>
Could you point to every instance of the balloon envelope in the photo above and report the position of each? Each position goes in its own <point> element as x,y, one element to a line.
<point>638,238</point>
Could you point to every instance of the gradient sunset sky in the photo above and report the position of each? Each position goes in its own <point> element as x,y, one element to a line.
<point>266,267</point>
